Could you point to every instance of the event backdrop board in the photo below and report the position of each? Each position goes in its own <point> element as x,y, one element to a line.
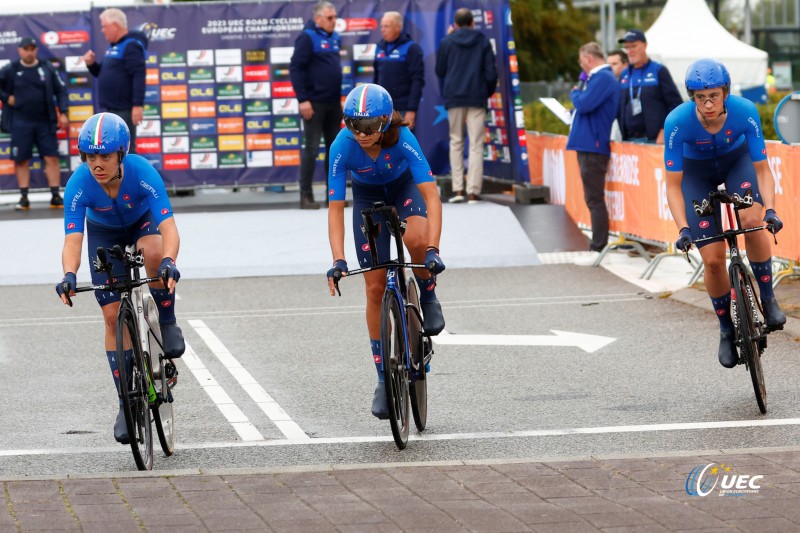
<point>220,108</point>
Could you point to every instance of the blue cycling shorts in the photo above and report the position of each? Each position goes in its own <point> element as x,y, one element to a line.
<point>109,236</point>
<point>700,177</point>
<point>401,193</point>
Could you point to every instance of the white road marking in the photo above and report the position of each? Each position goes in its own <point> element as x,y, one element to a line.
<point>265,402</point>
<point>645,428</point>
<point>587,343</point>
<point>241,424</point>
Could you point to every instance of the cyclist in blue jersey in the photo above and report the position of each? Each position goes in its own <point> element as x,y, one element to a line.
<point>716,138</point>
<point>121,203</point>
<point>386,164</point>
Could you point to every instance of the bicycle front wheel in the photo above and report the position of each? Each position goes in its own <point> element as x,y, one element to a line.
<point>749,333</point>
<point>134,390</point>
<point>416,347</point>
<point>163,413</point>
<point>395,371</point>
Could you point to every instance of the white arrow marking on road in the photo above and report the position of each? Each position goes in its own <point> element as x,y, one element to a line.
<point>587,343</point>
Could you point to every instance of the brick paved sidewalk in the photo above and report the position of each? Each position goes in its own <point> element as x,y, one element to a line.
<point>610,495</point>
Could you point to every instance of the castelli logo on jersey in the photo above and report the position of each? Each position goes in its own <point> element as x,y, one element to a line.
<point>330,192</point>
<point>431,287</point>
<point>407,202</point>
<point>116,374</point>
<point>71,225</point>
<point>166,303</point>
<point>704,224</point>
<point>145,225</point>
<point>764,151</point>
<point>721,312</point>
<point>728,132</point>
<point>164,211</point>
<point>746,185</point>
<point>765,278</point>
<point>365,247</point>
<point>387,157</point>
<point>377,359</point>
<point>670,163</point>
<point>126,197</point>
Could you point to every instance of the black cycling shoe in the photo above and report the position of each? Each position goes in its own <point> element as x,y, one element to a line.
<point>728,356</point>
<point>121,428</point>
<point>774,317</point>
<point>432,317</point>
<point>380,407</point>
<point>172,337</point>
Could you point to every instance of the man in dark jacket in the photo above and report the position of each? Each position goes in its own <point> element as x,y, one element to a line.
<point>121,75</point>
<point>316,73</point>
<point>400,67</point>
<point>465,65</point>
<point>30,90</point>
<point>647,93</point>
<point>595,101</point>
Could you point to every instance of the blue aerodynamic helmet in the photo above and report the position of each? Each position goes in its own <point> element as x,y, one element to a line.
<point>368,109</point>
<point>707,73</point>
<point>104,133</point>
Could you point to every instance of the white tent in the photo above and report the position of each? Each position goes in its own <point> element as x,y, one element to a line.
<point>686,31</point>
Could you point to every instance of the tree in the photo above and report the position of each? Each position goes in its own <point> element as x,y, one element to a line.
<point>548,34</point>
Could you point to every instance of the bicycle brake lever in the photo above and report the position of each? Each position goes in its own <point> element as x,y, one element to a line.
<point>65,290</point>
<point>337,275</point>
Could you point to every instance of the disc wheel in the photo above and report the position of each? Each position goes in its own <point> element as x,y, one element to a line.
<point>134,391</point>
<point>749,332</point>
<point>394,368</point>
<point>419,382</point>
<point>163,413</point>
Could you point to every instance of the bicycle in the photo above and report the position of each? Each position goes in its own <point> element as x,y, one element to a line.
<point>405,347</point>
<point>746,312</point>
<point>144,392</point>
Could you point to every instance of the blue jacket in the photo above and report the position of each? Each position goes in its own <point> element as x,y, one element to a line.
<point>653,85</point>
<point>121,74</point>
<point>400,69</point>
<point>596,104</point>
<point>315,69</point>
<point>55,93</point>
<point>465,65</point>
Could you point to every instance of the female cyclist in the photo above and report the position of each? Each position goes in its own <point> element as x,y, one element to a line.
<point>386,164</point>
<point>121,204</point>
<point>716,138</point>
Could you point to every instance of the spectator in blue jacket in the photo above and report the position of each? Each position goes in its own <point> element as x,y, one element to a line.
<point>400,67</point>
<point>647,93</point>
<point>316,72</point>
<point>595,101</point>
<point>34,106</point>
<point>465,65</point>
<point>121,75</point>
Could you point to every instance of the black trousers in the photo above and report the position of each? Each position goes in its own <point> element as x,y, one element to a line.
<point>593,174</point>
<point>327,120</point>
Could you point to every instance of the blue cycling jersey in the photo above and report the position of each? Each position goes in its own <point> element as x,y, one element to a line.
<point>141,190</point>
<point>346,154</point>
<point>685,136</point>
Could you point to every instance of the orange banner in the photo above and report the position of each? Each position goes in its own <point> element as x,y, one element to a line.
<point>636,188</point>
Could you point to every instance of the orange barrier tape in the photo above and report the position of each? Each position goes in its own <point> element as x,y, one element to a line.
<point>636,188</point>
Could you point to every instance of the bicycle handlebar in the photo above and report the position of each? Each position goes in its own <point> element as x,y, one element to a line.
<point>131,261</point>
<point>338,275</point>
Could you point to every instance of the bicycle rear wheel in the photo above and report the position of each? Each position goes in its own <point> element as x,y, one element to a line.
<point>163,413</point>
<point>749,334</point>
<point>134,391</point>
<point>395,370</point>
<point>416,347</point>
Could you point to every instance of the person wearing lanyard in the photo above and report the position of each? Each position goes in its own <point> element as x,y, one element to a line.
<point>647,93</point>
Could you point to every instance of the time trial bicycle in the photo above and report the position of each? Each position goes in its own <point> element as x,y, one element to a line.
<point>746,312</point>
<point>145,389</point>
<point>406,349</point>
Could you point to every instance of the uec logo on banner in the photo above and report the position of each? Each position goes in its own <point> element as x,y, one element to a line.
<point>702,481</point>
